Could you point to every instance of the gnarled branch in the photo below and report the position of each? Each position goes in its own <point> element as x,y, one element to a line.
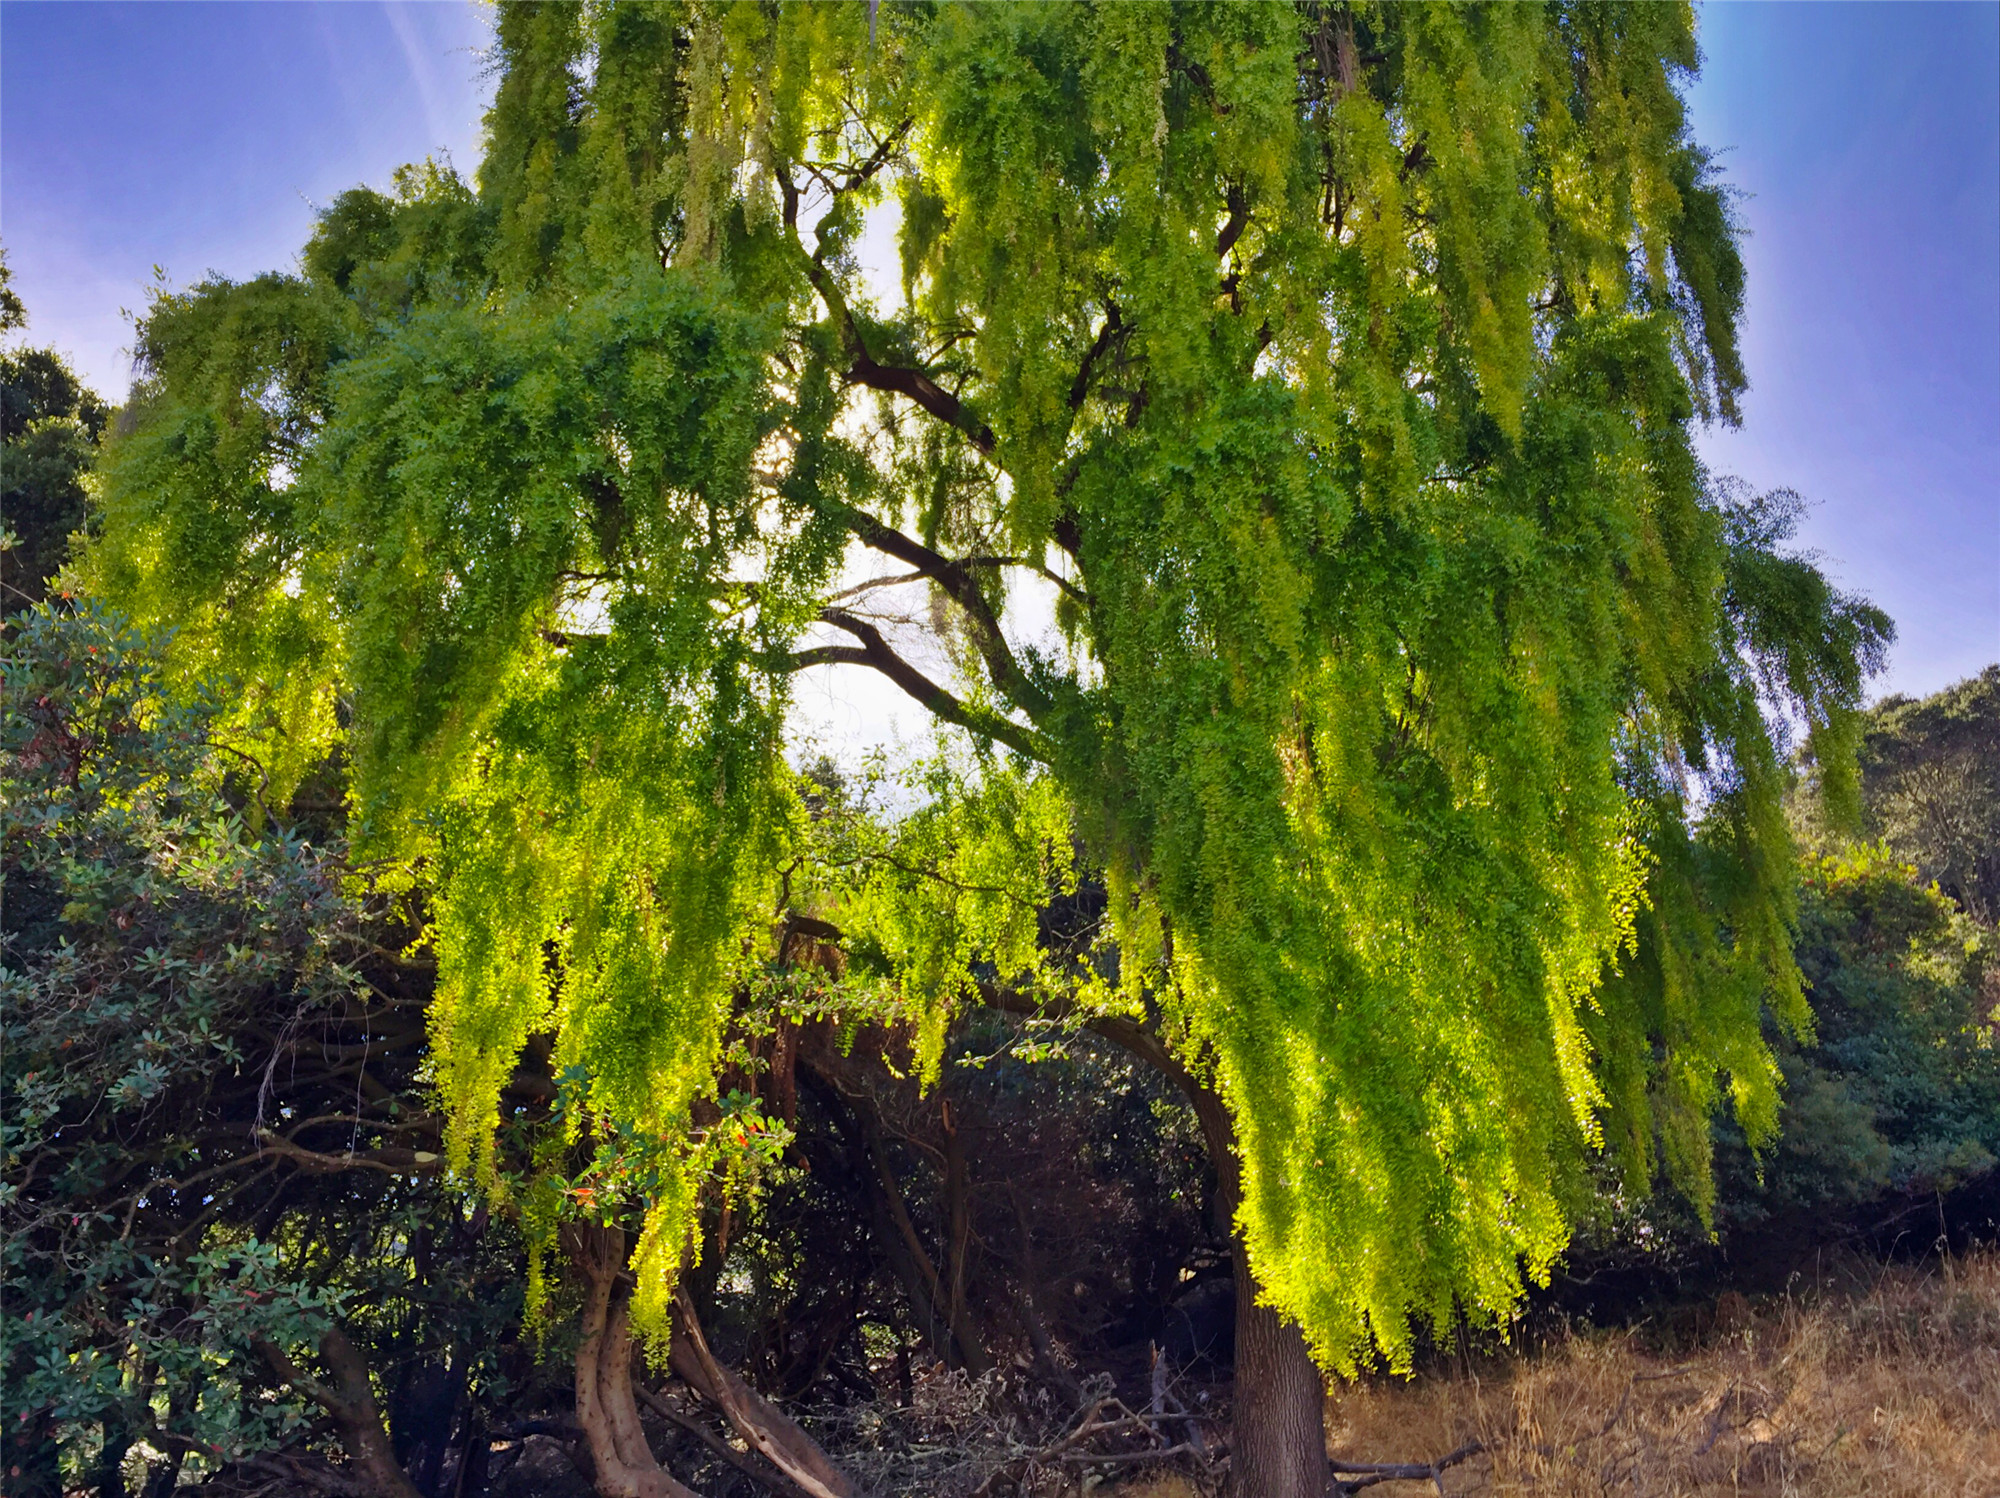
<point>957,579</point>
<point>350,1401</point>
<point>875,653</point>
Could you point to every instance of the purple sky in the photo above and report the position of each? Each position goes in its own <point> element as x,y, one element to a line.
<point>1868,138</point>
<point>201,137</point>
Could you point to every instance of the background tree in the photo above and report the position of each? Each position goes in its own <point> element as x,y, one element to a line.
<point>1329,370</point>
<point>50,425</point>
<point>1933,792</point>
<point>212,1144</point>
<point>1898,1101</point>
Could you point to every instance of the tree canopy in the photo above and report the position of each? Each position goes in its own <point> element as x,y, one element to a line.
<point>1930,766</point>
<point>50,424</point>
<point>1415,696</point>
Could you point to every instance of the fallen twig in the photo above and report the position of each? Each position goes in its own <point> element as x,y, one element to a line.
<point>1368,1474</point>
<point>1064,1452</point>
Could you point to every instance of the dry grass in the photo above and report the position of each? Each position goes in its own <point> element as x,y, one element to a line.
<point>1891,1390</point>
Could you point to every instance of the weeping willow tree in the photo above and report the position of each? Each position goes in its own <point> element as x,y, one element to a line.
<point>1285,412</point>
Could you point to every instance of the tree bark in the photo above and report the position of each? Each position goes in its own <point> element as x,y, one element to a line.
<point>160,1480</point>
<point>624,1462</point>
<point>1278,1433</point>
<point>771,1433</point>
<point>110,1479</point>
<point>350,1400</point>
<point>748,1463</point>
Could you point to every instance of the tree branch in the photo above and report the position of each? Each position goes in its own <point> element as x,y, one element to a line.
<point>774,1435</point>
<point>1238,221</point>
<point>1368,1474</point>
<point>747,1463</point>
<point>971,564</point>
<point>959,583</point>
<point>391,1161</point>
<point>350,1400</point>
<point>863,369</point>
<point>1142,1041</point>
<point>920,388</point>
<point>874,652</point>
<point>1106,335</point>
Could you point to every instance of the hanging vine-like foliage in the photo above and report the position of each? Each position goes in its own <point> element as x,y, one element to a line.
<point>1333,367</point>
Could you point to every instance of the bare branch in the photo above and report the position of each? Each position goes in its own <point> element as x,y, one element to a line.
<point>958,581</point>
<point>391,1161</point>
<point>1368,1474</point>
<point>875,653</point>
<point>976,563</point>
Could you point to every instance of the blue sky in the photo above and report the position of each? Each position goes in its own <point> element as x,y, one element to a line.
<point>200,137</point>
<point>1868,138</point>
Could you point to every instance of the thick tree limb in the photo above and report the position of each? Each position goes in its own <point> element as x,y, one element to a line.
<point>772,1433</point>
<point>625,1464</point>
<point>1238,221</point>
<point>863,368</point>
<point>1106,336</point>
<point>390,1160</point>
<point>875,652</point>
<point>962,587</point>
<point>924,391</point>
<point>915,385</point>
<point>350,1400</point>
<point>747,1463</point>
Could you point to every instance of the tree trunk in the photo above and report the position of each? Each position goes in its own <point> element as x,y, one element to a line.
<point>1277,1445</point>
<point>1278,1432</point>
<point>624,1462</point>
<point>350,1400</point>
<point>423,1415</point>
<point>110,1479</point>
<point>360,1422</point>
<point>161,1480</point>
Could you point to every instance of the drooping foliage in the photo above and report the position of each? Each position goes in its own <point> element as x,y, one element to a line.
<point>1332,368</point>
